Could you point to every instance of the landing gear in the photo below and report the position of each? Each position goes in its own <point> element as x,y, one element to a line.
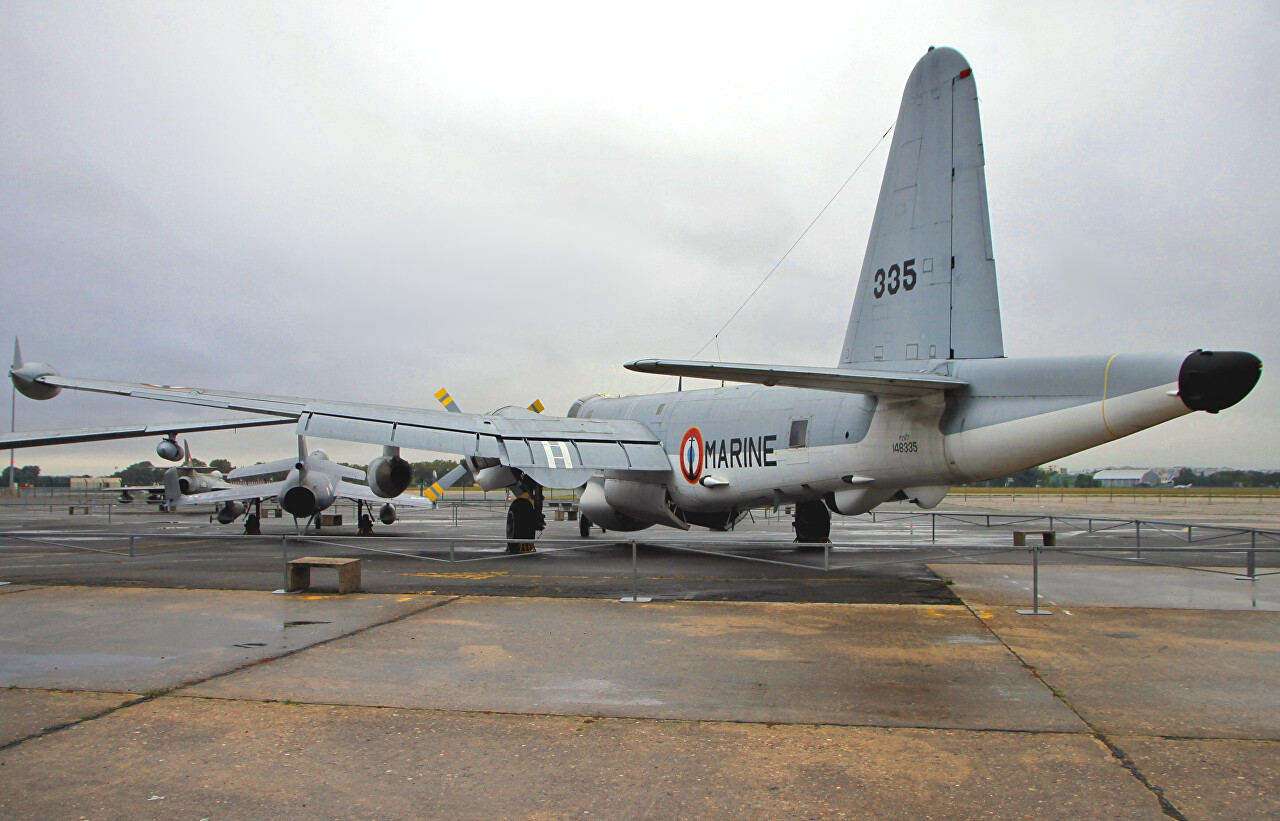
<point>584,525</point>
<point>366,521</point>
<point>524,520</point>
<point>812,524</point>
<point>253,520</point>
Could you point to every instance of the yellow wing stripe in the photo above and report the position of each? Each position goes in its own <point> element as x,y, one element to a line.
<point>537,406</point>
<point>444,397</point>
<point>1106,374</point>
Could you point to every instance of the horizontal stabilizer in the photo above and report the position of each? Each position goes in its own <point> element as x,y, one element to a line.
<point>843,380</point>
<point>264,469</point>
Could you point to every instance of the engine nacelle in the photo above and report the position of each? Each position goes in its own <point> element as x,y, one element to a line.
<point>170,451</point>
<point>190,481</point>
<point>306,494</point>
<point>617,504</point>
<point>24,379</point>
<point>859,500</point>
<point>389,475</point>
<point>387,514</point>
<point>229,512</point>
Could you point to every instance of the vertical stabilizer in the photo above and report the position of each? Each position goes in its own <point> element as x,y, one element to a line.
<point>928,283</point>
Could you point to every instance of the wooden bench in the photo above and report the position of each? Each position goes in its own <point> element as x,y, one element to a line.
<point>300,573</point>
<point>1020,537</point>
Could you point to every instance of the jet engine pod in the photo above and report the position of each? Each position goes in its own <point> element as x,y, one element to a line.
<point>229,512</point>
<point>170,451</point>
<point>389,476</point>
<point>387,513</point>
<point>24,379</point>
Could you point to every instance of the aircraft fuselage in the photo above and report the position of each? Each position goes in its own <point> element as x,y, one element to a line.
<point>743,446</point>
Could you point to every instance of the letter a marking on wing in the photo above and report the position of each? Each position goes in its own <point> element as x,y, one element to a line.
<point>691,455</point>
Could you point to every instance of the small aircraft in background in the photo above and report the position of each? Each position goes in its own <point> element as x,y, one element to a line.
<point>311,485</point>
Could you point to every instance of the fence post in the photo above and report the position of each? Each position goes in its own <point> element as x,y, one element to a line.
<point>1035,586</point>
<point>1137,537</point>
<point>110,507</point>
<point>130,547</point>
<point>284,560</point>
<point>635,579</point>
<point>826,556</point>
<point>933,528</point>
<point>451,551</point>
<point>1251,565</point>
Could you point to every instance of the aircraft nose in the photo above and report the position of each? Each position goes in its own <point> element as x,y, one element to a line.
<point>1213,380</point>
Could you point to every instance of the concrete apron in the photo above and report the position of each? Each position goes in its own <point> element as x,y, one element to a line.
<point>962,678</point>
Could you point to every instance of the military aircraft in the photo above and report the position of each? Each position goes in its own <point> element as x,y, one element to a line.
<point>922,396</point>
<point>312,484</point>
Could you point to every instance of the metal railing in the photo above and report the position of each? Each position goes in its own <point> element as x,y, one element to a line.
<point>456,551</point>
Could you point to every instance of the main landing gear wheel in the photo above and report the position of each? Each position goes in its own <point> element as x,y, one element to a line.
<point>252,526</point>
<point>522,525</point>
<point>812,525</point>
<point>584,525</point>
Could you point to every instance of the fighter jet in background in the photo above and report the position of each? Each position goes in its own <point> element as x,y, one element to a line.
<point>922,396</point>
<point>311,485</point>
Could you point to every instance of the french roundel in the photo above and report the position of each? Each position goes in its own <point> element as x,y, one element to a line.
<point>691,455</point>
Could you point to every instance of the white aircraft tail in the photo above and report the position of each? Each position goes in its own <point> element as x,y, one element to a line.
<point>928,283</point>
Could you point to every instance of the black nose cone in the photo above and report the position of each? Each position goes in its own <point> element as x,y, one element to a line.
<point>1213,380</point>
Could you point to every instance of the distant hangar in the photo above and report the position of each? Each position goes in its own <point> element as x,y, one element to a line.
<point>1127,477</point>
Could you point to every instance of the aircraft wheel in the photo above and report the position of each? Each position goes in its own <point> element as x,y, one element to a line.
<point>522,525</point>
<point>584,526</point>
<point>812,525</point>
<point>252,526</point>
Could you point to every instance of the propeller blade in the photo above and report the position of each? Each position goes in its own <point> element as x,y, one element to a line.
<point>447,401</point>
<point>437,488</point>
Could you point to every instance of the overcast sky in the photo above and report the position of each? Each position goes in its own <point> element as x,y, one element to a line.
<point>370,201</point>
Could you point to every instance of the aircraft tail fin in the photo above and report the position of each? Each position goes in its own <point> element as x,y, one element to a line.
<point>928,284</point>
<point>172,490</point>
<point>17,354</point>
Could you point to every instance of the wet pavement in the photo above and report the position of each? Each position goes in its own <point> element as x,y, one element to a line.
<point>160,702</point>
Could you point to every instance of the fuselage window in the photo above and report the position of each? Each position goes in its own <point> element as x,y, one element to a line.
<point>799,433</point>
<point>658,412</point>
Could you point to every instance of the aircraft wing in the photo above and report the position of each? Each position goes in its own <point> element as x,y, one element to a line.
<point>33,439</point>
<point>241,493</point>
<point>347,490</point>
<point>844,380</point>
<point>554,451</point>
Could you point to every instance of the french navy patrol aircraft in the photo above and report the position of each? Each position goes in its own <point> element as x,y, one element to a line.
<point>922,398</point>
